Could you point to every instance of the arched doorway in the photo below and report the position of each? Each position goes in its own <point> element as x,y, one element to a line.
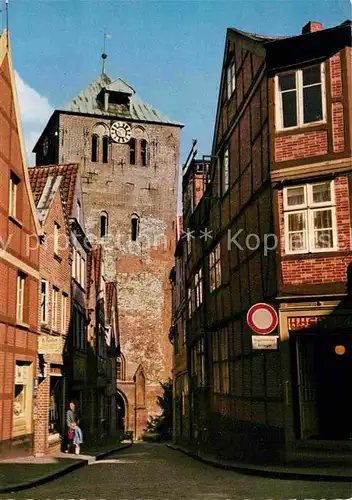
<point>121,412</point>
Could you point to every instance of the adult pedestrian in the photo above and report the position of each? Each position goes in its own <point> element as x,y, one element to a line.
<point>71,420</point>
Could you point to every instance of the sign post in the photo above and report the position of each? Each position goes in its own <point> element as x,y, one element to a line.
<point>262,319</point>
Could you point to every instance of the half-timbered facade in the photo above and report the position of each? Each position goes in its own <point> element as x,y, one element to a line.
<point>273,226</point>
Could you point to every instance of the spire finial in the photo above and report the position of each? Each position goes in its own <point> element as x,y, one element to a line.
<point>104,54</point>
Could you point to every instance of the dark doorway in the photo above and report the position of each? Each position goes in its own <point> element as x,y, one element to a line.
<point>323,386</point>
<point>121,412</point>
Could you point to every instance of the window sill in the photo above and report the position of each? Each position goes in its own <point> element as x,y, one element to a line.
<point>23,325</point>
<point>15,221</point>
<point>321,125</point>
<point>57,257</point>
<point>332,252</point>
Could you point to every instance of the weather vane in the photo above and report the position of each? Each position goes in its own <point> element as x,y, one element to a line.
<point>104,54</point>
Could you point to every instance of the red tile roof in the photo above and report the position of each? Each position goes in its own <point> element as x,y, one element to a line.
<point>39,175</point>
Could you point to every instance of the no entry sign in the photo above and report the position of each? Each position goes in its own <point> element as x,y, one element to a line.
<point>262,318</point>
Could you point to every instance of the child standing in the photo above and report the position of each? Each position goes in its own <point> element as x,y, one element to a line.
<point>78,438</point>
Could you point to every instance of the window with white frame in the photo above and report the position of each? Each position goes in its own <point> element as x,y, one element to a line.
<point>198,288</point>
<point>44,314</point>
<point>231,78</point>
<point>310,218</point>
<point>21,279</point>
<point>301,97</point>
<point>189,302</point>
<point>13,188</point>
<point>54,309</point>
<point>79,211</point>
<point>214,268</point>
<point>64,298</point>
<point>74,251</point>
<point>83,273</point>
<point>225,171</point>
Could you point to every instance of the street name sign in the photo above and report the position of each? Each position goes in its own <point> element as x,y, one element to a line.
<point>269,342</point>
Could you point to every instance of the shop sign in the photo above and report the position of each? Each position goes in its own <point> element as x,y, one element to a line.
<point>341,321</point>
<point>48,344</point>
<point>269,342</point>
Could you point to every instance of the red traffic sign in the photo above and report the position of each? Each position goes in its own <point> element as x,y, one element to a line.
<point>262,318</point>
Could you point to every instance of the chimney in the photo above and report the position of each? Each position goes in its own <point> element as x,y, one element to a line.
<point>311,27</point>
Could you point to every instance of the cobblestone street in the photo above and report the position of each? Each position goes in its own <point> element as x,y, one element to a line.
<point>154,472</point>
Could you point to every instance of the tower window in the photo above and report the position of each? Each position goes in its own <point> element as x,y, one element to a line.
<point>103,225</point>
<point>143,152</point>
<point>94,148</point>
<point>134,227</point>
<point>132,151</point>
<point>105,149</point>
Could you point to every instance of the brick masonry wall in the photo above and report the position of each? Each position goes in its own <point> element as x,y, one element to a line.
<point>292,147</point>
<point>321,269</point>
<point>16,343</point>
<point>57,273</point>
<point>142,267</point>
<point>304,144</point>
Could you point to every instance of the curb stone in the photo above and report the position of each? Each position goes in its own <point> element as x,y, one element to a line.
<point>268,471</point>
<point>66,470</point>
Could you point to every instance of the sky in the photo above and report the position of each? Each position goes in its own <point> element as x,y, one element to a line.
<point>169,51</point>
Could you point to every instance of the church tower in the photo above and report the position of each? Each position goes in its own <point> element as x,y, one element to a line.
<point>129,157</point>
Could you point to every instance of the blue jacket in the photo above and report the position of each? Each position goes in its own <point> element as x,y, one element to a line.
<point>78,438</point>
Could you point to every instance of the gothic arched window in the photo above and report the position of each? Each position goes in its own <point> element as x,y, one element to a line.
<point>103,224</point>
<point>132,151</point>
<point>105,148</point>
<point>134,227</point>
<point>94,155</point>
<point>143,152</point>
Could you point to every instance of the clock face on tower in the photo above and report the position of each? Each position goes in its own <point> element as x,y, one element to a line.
<point>120,132</point>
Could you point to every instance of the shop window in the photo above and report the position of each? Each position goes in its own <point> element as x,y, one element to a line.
<point>54,405</point>
<point>22,405</point>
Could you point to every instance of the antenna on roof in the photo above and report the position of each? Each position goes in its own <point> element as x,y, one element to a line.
<point>104,54</point>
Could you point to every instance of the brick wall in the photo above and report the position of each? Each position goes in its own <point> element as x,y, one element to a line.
<point>16,342</point>
<point>142,267</point>
<point>304,143</point>
<point>321,269</point>
<point>56,270</point>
